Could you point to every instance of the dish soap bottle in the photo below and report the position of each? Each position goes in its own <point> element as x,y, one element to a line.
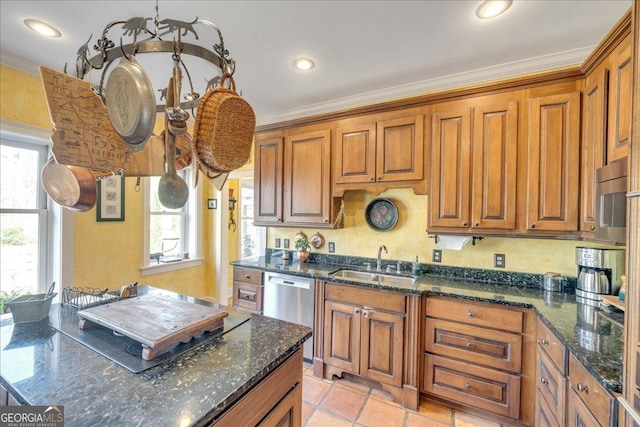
<point>416,269</point>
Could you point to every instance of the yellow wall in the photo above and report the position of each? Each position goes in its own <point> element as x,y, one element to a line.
<point>409,238</point>
<point>108,254</point>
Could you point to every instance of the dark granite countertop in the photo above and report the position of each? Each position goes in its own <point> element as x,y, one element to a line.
<point>599,350</point>
<point>41,366</point>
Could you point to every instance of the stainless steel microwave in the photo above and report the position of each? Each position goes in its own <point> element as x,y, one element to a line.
<point>611,203</point>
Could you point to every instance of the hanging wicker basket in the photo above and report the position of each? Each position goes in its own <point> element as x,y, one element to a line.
<point>223,130</point>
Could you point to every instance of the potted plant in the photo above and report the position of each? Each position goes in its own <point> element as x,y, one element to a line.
<point>303,246</point>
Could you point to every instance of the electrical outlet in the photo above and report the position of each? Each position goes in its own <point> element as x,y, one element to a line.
<point>437,255</point>
<point>332,247</point>
<point>499,261</point>
<point>277,242</point>
<point>286,243</point>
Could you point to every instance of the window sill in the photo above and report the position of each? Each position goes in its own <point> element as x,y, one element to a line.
<point>149,270</point>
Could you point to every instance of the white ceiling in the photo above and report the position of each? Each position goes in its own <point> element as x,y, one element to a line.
<point>366,51</point>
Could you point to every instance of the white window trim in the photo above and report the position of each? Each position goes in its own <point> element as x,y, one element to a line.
<point>194,241</point>
<point>59,262</point>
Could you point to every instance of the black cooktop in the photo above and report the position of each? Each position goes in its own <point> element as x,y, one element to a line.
<point>123,350</point>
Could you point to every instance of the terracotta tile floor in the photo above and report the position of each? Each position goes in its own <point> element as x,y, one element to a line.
<point>338,403</point>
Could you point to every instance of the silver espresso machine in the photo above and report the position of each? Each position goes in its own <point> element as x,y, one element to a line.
<point>599,272</point>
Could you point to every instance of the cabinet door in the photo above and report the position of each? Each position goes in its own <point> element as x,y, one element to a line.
<point>342,336</point>
<point>578,414</point>
<point>553,162</point>
<point>400,149</point>
<point>551,385</point>
<point>288,412</point>
<point>619,131</point>
<point>450,168</point>
<point>355,154</point>
<point>307,163</point>
<point>544,415</point>
<point>495,145</point>
<point>593,144</point>
<point>381,348</point>
<point>268,179</point>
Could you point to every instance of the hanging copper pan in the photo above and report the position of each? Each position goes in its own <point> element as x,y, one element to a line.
<point>72,187</point>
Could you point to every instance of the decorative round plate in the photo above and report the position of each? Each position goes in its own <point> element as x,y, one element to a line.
<point>381,214</point>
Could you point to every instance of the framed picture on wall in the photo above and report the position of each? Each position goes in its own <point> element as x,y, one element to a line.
<point>111,198</point>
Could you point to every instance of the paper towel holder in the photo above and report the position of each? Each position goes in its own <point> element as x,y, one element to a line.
<point>473,239</point>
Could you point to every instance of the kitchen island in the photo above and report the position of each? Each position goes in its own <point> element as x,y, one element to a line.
<point>39,365</point>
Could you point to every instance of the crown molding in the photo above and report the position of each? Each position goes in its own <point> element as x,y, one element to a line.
<point>14,61</point>
<point>507,70</point>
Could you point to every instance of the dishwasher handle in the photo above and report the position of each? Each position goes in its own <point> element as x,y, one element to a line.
<point>288,282</point>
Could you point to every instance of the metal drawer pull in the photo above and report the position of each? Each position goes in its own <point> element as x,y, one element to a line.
<point>356,311</point>
<point>467,386</point>
<point>544,341</point>
<point>246,276</point>
<point>583,388</point>
<point>543,380</point>
<point>469,344</point>
<point>471,313</point>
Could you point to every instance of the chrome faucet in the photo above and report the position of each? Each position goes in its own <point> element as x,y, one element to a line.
<point>379,261</point>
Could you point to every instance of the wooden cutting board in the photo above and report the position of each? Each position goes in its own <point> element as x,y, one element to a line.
<point>157,322</point>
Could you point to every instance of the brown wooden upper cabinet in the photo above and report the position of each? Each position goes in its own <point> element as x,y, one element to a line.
<point>619,121</point>
<point>594,141</point>
<point>553,162</point>
<point>375,150</point>
<point>307,180</point>
<point>473,164</point>
<point>268,174</point>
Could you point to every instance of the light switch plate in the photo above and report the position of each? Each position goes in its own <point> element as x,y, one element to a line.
<point>499,261</point>
<point>277,242</point>
<point>437,255</point>
<point>332,247</point>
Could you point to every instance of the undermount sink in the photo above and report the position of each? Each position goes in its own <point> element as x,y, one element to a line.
<point>373,277</point>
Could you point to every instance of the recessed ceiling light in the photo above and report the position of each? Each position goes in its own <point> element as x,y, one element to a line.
<point>42,28</point>
<point>303,64</point>
<point>491,8</point>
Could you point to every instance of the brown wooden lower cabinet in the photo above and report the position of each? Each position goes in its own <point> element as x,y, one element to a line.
<point>578,414</point>
<point>545,416</point>
<point>369,333</point>
<point>551,388</point>
<point>592,395</point>
<point>484,388</point>
<point>275,401</point>
<point>247,289</point>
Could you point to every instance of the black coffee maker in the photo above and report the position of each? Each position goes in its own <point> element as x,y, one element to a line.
<point>599,272</point>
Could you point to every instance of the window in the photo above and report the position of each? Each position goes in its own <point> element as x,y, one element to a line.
<point>23,216</point>
<point>171,238</point>
<point>252,238</point>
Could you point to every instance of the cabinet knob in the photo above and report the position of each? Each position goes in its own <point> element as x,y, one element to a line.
<point>365,313</point>
<point>533,226</point>
<point>356,311</point>
<point>379,178</point>
<point>469,344</point>
<point>593,227</point>
<point>246,276</point>
<point>326,220</point>
<point>544,341</point>
<point>464,224</point>
<point>372,179</point>
<point>467,386</point>
<point>471,313</point>
<point>477,224</point>
<point>543,380</point>
<point>583,388</point>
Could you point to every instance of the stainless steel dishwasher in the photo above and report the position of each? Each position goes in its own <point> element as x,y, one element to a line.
<point>291,298</point>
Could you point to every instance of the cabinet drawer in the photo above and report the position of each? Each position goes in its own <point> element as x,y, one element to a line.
<point>594,396</point>
<point>250,275</point>
<point>551,345</point>
<point>247,295</point>
<point>551,385</point>
<point>365,297</point>
<point>495,349</point>
<point>483,388</point>
<point>475,314</point>
<point>544,414</point>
